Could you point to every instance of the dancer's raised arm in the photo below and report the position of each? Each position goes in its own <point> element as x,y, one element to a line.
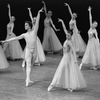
<point>45,9</point>
<point>9,11</point>
<point>64,27</point>
<point>37,21</point>
<point>90,16</point>
<point>70,11</point>
<point>30,14</point>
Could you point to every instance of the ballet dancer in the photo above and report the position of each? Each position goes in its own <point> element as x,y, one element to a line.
<point>51,42</point>
<point>31,45</point>
<point>91,55</point>
<point>77,41</point>
<point>40,53</point>
<point>68,75</point>
<point>12,49</point>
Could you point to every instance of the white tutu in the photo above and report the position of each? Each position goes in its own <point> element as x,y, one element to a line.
<point>77,41</point>
<point>50,40</point>
<point>40,53</point>
<point>91,55</point>
<point>68,75</point>
<point>3,61</point>
<point>13,49</point>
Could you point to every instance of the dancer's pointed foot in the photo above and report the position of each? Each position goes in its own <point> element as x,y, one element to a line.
<point>37,64</point>
<point>70,90</point>
<point>23,65</point>
<point>93,68</point>
<point>28,83</point>
<point>49,88</point>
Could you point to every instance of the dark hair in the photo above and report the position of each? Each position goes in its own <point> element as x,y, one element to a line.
<point>29,22</point>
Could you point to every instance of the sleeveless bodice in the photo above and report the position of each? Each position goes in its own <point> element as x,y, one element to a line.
<point>47,22</point>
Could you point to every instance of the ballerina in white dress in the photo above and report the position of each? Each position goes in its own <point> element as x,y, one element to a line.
<point>77,41</point>
<point>31,45</point>
<point>12,49</point>
<point>68,75</point>
<point>40,53</point>
<point>92,53</point>
<point>51,42</point>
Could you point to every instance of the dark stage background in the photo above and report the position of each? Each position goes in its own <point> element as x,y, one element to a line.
<point>19,10</point>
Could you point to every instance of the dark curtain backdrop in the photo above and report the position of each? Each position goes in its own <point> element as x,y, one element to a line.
<point>19,10</point>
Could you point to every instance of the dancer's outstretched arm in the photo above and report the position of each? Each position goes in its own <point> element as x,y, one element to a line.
<point>70,11</point>
<point>45,9</point>
<point>37,21</point>
<point>9,11</point>
<point>90,16</point>
<point>53,25</point>
<point>96,35</point>
<point>30,14</point>
<point>15,38</point>
<point>64,27</point>
<point>9,14</point>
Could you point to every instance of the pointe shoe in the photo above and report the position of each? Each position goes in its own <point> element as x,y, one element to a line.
<point>70,90</point>
<point>23,65</point>
<point>50,87</point>
<point>37,64</point>
<point>29,83</point>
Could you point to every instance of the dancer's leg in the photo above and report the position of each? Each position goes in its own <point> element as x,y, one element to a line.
<point>28,67</point>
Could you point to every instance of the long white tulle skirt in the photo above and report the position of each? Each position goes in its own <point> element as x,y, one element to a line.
<point>3,61</point>
<point>13,49</point>
<point>50,40</point>
<point>92,53</point>
<point>40,53</point>
<point>78,43</point>
<point>68,75</point>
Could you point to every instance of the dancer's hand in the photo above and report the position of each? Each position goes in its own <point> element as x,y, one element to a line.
<point>43,2</point>
<point>41,10</point>
<point>60,20</point>
<point>58,30</point>
<point>29,8</point>
<point>89,9</point>
<point>2,42</point>
<point>8,5</point>
<point>66,4</point>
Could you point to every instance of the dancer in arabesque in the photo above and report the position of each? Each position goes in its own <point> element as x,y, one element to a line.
<point>92,53</point>
<point>12,49</point>
<point>77,41</point>
<point>51,42</point>
<point>68,75</point>
<point>31,45</point>
<point>40,53</point>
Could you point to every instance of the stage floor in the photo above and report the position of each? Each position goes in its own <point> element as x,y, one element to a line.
<point>12,83</point>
